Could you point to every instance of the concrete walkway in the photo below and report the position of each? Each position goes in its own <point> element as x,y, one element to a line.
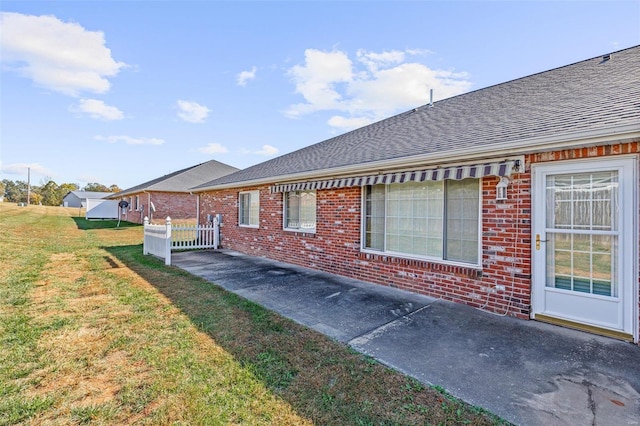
<point>526,372</point>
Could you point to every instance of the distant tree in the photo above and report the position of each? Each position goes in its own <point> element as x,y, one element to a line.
<point>50,194</point>
<point>15,192</point>
<point>114,188</point>
<point>2,187</point>
<point>35,198</point>
<point>66,188</point>
<point>95,187</point>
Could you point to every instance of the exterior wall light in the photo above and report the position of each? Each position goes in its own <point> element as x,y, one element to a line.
<point>501,188</point>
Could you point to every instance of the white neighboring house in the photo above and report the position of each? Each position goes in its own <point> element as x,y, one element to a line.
<point>79,198</point>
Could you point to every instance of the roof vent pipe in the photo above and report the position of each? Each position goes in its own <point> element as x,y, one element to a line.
<point>430,97</point>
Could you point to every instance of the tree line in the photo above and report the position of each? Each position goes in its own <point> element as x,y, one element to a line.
<point>48,193</point>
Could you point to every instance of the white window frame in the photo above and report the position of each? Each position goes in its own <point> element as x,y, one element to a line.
<point>131,203</point>
<point>384,251</point>
<point>252,195</point>
<point>137,203</point>
<point>285,210</point>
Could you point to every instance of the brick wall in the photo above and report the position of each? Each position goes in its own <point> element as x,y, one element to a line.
<point>335,247</point>
<point>178,206</point>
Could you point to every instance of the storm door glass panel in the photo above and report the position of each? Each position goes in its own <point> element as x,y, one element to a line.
<point>582,232</point>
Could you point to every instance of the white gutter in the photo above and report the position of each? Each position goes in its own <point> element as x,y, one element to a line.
<point>511,148</point>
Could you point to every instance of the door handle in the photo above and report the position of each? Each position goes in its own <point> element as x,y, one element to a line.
<point>538,241</point>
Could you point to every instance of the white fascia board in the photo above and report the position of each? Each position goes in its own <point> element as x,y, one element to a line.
<point>504,149</point>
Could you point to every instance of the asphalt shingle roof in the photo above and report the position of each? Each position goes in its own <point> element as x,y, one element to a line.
<point>588,95</point>
<point>182,180</point>
<point>89,194</point>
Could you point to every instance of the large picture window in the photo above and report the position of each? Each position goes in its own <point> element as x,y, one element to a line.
<point>300,210</point>
<point>249,208</point>
<point>437,220</point>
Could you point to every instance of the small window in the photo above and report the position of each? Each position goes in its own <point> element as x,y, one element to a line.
<point>300,211</point>
<point>249,208</point>
<point>137,206</point>
<point>130,203</point>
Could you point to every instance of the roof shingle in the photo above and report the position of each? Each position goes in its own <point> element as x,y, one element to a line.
<point>182,180</point>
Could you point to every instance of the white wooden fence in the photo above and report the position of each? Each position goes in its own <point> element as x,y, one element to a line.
<point>161,240</point>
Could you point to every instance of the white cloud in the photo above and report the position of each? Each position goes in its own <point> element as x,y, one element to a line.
<point>213,148</point>
<point>375,86</point>
<point>245,76</point>
<point>192,112</point>
<point>316,81</point>
<point>373,60</point>
<point>57,55</point>
<point>21,169</point>
<point>404,86</point>
<point>129,140</point>
<point>97,109</point>
<point>267,150</point>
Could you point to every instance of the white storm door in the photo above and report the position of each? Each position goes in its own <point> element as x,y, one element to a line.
<point>584,239</point>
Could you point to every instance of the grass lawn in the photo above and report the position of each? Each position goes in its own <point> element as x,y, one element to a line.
<point>92,332</point>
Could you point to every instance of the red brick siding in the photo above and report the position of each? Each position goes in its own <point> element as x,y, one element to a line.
<point>173,204</point>
<point>335,247</point>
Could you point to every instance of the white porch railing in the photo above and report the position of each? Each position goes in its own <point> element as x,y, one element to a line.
<point>161,240</point>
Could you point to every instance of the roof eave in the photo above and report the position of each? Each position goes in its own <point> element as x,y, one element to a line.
<point>147,190</point>
<point>523,146</point>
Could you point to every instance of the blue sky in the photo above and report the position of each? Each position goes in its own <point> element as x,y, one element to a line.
<point>121,92</point>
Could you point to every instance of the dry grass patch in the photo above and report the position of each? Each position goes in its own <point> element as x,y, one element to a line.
<point>90,341</point>
<point>92,332</point>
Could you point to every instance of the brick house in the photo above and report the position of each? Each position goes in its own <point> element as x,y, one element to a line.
<point>169,195</point>
<point>520,199</point>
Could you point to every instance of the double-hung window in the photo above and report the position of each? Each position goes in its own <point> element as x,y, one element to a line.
<point>436,220</point>
<point>300,211</point>
<point>249,208</point>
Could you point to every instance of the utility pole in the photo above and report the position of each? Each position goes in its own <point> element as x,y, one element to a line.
<point>28,185</point>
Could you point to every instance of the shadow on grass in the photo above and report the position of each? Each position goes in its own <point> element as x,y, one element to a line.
<point>85,224</point>
<point>322,380</point>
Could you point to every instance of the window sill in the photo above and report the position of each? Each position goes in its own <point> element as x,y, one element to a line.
<point>249,226</point>
<point>300,231</point>
<point>457,268</point>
